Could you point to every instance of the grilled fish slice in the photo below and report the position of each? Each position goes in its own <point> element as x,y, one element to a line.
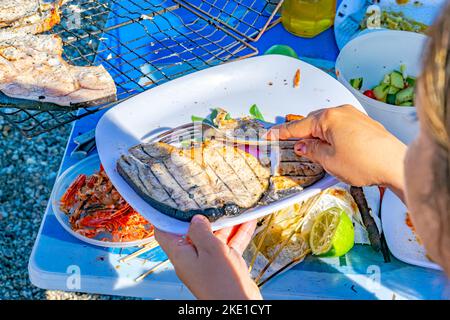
<point>30,16</point>
<point>288,182</point>
<point>287,144</point>
<point>292,173</point>
<point>225,173</point>
<point>212,179</point>
<point>289,155</point>
<point>32,68</point>
<point>299,169</point>
<point>144,179</point>
<point>182,175</point>
<point>13,10</point>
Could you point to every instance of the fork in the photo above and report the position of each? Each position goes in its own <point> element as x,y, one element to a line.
<point>201,131</point>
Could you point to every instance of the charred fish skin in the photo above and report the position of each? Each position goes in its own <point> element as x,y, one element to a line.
<point>140,176</point>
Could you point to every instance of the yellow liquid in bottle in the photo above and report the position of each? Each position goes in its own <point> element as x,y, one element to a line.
<point>308,18</point>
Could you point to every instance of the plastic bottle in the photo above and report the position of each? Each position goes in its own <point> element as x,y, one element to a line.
<point>308,18</point>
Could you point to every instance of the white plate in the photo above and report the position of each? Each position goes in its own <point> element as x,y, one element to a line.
<point>265,80</point>
<point>87,166</point>
<point>426,13</point>
<point>401,240</point>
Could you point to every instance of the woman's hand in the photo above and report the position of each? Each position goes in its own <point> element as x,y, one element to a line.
<point>349,145</point>
<point>211,265</point>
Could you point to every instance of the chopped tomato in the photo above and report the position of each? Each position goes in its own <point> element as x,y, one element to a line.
<point>370,94</point>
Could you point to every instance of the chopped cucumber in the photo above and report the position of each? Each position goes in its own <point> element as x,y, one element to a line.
<point>397,80</point>
<point>356,83</point>
<point>405,95</point>
<point>402,67</point>
<point>381,91</point>
<point>390,98</point>
<point>411,81</point>
<point>403,71</point>
<point>396,88</point>
<point>393,90</point>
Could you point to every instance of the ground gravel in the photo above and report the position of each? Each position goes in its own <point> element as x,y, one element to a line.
<point>28,169</point>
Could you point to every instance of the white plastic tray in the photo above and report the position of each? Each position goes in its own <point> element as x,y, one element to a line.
<point>401,240</point>
<point>265,80</point>
<point>87,166</point>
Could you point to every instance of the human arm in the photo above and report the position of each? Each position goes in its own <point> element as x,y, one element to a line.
<point>211,265</point>
<point>349,145</point>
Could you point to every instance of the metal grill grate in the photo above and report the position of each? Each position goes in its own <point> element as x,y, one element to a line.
<point>142,43</point>
<point>248,18</point>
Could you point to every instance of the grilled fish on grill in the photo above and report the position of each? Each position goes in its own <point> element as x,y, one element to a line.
<point>30,16</point>
<point>213,179</point>
<point>32,67</point>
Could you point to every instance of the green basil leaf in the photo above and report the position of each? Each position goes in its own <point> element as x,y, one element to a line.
<point>256,113</point>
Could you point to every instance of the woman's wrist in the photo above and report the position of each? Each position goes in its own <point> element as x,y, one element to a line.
<point>393,168</point>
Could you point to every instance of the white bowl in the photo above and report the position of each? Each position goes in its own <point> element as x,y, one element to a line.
<point>371,56</point>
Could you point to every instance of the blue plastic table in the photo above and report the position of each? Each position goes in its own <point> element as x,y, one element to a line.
<point>60,261</point>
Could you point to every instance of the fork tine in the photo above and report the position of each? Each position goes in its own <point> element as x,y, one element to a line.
<point>182,135</point>
<point>171,131</point>
<point>192,130</point>
<point>182,132</point>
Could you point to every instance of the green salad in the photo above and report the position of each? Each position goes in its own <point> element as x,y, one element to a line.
<point>397,21</point>
<point>396,88</point>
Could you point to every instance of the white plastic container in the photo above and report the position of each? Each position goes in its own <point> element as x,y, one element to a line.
<point>371,56</point>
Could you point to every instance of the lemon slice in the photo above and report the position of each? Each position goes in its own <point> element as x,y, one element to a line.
<point>332,234</point>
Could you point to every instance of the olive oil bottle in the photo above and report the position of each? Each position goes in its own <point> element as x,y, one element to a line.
<point>308,18</point>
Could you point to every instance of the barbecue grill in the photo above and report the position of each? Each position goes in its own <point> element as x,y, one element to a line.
<point>144,43</point>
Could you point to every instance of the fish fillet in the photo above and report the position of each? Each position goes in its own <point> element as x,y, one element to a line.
<point>295,168</point>
<point>30,16</point>
<point>292,173</point>
<point>212,179</point>
<point>32,67</point>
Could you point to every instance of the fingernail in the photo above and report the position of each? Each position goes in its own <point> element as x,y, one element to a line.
<point>300,147</point>
<point>198,218</point>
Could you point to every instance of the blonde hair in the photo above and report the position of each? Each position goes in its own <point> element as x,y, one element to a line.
<point>435,81</point>
<point>434,106</point>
